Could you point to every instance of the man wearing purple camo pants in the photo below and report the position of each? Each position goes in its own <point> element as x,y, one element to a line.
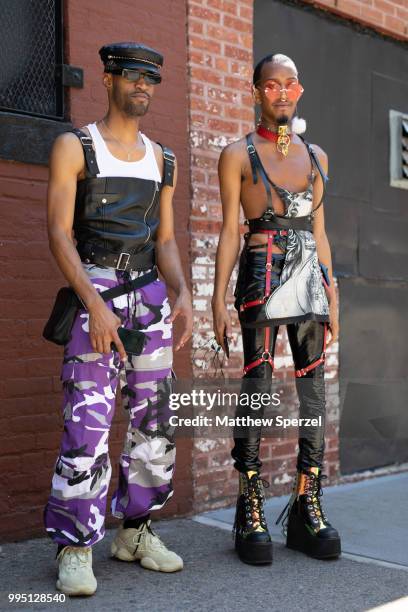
<point>113,187</point>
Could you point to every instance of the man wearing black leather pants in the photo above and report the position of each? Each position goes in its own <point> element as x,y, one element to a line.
<point>285,278</point>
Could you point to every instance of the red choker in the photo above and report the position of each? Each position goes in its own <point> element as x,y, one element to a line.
<point>282,137</point>
<point>265,133</point>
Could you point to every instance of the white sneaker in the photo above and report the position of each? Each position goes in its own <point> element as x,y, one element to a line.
<point>75,575</point>
<point>144,545</point>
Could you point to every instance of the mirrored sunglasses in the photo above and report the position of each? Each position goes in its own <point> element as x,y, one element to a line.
<point>150,78</point>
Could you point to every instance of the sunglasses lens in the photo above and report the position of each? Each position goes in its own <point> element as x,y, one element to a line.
<point>151,78</point>
<point>273,91</point>
<point>294,91</point>
<point>131,75</point>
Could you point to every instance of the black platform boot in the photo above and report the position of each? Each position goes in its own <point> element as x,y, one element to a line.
<point>306,525</point>
<point>252,540</point>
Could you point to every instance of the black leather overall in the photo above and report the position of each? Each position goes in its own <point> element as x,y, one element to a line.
<point>306,339</point>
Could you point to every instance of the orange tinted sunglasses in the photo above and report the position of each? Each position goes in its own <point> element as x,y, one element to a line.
<point>273,90</point>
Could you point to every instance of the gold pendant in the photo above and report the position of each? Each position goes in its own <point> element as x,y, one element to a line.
<point>283,142</point>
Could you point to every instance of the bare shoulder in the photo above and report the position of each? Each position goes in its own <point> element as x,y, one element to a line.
<point>67,157</point>
<point>158,153</point>
<point>321,156</point>
<point>235,148</point>
<point>67,144</point>
<point>234,153</point>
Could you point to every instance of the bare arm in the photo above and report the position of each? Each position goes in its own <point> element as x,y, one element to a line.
<point>229,172</point>
<point>66,162</point>
<point>323,246</point>
<point>169,263</point>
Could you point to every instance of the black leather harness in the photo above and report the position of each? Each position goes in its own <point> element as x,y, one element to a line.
<point>270,220</point>
<point>116,218</point>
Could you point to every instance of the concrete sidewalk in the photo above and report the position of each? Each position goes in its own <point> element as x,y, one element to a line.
<point>371,517</point>
<point>213,577</point>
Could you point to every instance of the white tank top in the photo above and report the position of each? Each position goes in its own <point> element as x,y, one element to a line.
<point>145,168</point>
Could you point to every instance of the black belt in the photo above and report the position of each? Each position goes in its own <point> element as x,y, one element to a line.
<point>90,253</point>
<point>278,222</point>
<point>136,283</point>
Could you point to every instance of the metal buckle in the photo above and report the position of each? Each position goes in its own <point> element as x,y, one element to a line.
<point>268,267</point>
<point>119,264</point>
<point>251,149</point>
<point>168,157</point>
<point>82,138</point>
<point>266,355</point>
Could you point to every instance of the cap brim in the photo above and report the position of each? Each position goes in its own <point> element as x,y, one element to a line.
<point>135,65</point>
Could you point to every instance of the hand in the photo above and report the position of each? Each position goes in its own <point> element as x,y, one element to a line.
<point>221,323</point>
<point>183,307</point>
<point>333,324</point>
<point>103,330</point>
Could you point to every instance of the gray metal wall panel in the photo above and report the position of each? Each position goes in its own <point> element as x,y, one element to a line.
<point>351,80</point>
<point>383,245</point>
<point>373,327</point>
<point>341,221</point>
<point>374,372</point>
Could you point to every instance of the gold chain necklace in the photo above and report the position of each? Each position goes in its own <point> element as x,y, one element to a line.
<point>129,153</point>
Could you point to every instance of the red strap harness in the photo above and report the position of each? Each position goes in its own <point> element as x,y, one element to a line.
<point>268,266</point>
<point>266,355</point>
<point>312,366</point>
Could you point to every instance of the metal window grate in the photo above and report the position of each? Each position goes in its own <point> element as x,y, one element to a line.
<point>31,50</point>
<point>398,149</point>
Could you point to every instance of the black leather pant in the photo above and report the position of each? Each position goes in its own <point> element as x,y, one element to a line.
<point>306,340</point>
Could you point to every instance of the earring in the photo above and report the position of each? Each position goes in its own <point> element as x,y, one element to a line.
<point>298,125</point>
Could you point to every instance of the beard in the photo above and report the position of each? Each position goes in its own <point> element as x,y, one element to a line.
<point>132,109</point>
<point>282,120</point>
<point>128,106</point>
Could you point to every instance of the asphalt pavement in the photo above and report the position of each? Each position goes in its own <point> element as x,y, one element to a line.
<point>372,572</point>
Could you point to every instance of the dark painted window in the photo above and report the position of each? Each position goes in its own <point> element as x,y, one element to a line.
<point>398,149</point>
<point>31,47</point>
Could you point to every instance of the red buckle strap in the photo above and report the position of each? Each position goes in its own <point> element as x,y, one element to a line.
<point>312,366</point>
<point>251,303</point>
<point>266,355</point>
<point>268,265</point>
<point>282,232</point>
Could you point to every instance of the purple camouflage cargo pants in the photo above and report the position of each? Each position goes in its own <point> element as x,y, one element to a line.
<point>75,512</point>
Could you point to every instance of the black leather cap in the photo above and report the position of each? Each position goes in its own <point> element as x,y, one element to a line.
<point>130,55</point>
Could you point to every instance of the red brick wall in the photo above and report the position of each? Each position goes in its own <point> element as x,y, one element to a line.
<point>387,16</point>
<point>30,410</point>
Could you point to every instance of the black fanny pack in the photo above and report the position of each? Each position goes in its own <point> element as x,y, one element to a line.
<point>67,303</point>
